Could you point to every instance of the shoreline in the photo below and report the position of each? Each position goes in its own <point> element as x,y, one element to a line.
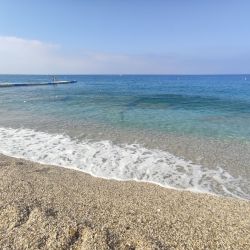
<point>122,180</point>
<point>126,180</point>
<point>48,207</point>
<point>122,162</point>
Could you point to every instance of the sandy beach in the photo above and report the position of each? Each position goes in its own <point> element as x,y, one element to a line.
<point>48,207</point>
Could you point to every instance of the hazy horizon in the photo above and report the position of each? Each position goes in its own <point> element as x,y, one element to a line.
<point>132,37</point>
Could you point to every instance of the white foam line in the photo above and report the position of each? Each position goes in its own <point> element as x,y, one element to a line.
<point>121,162</point>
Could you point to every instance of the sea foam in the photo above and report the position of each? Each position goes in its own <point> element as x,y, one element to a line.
<point>121,162</point>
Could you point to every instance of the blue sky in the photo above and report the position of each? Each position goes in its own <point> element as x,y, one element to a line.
<point>166,37</point>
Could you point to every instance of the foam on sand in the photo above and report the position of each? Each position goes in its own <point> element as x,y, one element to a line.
<point>122,162</point>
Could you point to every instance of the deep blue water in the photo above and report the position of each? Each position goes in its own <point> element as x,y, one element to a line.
<point>215,106</point>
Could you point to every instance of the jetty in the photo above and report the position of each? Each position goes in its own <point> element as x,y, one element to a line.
<point>53,83</point>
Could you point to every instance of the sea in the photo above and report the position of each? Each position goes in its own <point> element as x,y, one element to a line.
<point>186,132</point>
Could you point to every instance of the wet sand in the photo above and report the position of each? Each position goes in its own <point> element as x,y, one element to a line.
<point>47,207</point>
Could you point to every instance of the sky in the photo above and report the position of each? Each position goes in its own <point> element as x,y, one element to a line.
<point>124,37</point>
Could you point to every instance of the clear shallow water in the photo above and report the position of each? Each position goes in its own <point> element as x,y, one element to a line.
<point>114,109</point>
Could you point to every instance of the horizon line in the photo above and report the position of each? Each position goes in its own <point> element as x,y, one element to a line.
<point>126,74</point>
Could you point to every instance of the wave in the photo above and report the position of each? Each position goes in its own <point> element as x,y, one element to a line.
<point>121,162</point>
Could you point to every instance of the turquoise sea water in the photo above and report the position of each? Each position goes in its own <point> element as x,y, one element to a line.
<point>214,108</point>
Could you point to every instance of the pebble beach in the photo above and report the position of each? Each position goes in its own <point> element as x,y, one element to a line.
<point>49,207</point>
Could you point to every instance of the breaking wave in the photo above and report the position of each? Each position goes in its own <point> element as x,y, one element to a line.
<point>121,162</point>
